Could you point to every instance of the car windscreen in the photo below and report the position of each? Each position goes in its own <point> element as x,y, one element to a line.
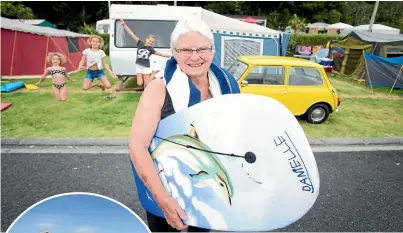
<point>237,69</point>
<point>161,29</point>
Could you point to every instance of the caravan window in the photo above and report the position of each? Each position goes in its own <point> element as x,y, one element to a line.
<point>161,29</point>
<point>234,46</point>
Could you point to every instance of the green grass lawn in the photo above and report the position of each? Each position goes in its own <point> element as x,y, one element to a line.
<point>91,114</point>
<point>361,117</point>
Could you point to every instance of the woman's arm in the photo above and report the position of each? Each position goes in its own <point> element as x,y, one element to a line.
<point>162,54</point>
<point>43,76</point>
<point>129,30</point>
<point>144,125</point>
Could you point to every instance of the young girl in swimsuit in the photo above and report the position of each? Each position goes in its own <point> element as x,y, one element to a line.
<point>58,73</point>
<point>144,51</point>
<point>95,58</point>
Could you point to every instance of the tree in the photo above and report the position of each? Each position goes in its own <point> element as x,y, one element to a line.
<point>235,8</point>
<point>297,24</point>
<point>357,13</point>
<point>279,20</point>
<point>334,16</point>
<point>16,10</point>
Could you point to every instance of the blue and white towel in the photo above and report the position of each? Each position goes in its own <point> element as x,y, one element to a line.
<point>185,94</point>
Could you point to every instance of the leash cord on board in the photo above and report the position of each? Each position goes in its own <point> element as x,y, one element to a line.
<point>249,156</point>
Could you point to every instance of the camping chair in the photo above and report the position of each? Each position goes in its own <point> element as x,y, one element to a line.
<point>304,50</point>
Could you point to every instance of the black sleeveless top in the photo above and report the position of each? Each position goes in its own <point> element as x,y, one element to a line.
<point>168,107</point>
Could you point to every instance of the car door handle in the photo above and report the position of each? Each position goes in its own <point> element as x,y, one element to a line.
<point>283,92</point>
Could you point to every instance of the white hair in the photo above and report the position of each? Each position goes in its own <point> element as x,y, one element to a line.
<point>184,27</point>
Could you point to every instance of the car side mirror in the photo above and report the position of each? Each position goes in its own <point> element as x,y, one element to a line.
<point>244,83</point>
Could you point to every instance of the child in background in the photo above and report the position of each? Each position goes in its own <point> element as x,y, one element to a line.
<point>95,58</point>
<point>144,51</point>
<point>58,73</point>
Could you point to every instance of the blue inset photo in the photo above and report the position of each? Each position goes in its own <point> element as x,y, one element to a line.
<point>78,213</point>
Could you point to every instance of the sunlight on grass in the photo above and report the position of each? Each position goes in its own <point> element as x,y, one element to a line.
<point>361,118</point>
<point>83,115</point>
<point>91,114</point>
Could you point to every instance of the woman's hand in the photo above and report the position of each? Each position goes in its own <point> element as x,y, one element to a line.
<point>173,212</point>
<point>122,22</point>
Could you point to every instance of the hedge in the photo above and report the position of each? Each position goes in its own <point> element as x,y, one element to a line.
<point>311,39</point>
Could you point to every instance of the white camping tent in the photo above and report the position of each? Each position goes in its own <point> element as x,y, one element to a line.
<point>340,26</point>
<point>343,27</point>
<point>232,37</point>
<point>378,28</point>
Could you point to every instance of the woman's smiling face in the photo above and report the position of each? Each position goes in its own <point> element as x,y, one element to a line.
<point>194,63</point>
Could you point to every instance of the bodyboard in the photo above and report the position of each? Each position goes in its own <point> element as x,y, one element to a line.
<point>238,162</point>
<point>10,87</point>
<point>4,106</point>
<point>31,87</point>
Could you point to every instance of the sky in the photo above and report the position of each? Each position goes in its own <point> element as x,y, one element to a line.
<point>78,213</point>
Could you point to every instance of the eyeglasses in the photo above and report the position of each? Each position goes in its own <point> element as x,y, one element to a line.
<point>199,51</point>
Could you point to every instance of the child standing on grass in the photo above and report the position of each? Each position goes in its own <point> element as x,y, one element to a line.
<point>144,51</point>
<point>95,58</point>
<point>58,73</point>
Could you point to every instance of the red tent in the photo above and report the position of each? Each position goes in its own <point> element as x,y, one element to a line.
<point>24,47</point>
<point>252,20</point>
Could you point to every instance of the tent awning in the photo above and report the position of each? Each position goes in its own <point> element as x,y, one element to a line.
<point>28,28</point>
<point>220,23</point>
<point>376,37</point>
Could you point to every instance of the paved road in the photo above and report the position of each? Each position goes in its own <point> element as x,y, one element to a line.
<point>360,191</point>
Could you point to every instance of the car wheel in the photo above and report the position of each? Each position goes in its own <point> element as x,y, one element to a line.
<point>318,113</point>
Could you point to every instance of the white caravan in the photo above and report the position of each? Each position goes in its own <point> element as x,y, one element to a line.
<point>143,20</point>
<point>232,37</point>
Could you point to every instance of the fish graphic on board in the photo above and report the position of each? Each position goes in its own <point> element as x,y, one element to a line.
<point>210,172</point>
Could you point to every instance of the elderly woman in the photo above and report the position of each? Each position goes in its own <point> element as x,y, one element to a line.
<point>189,78</point>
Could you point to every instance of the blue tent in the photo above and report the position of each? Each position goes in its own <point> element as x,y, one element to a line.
<point>381,71</point>
<point>234,38</point>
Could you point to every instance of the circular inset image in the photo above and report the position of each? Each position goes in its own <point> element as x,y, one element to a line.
<point>78,213</point>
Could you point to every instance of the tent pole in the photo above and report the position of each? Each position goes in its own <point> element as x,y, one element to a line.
<point>371,22</point>
<point>366,66</point>
<point>12,56</point>
<point>46,53</point>
<point>397,79</point>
